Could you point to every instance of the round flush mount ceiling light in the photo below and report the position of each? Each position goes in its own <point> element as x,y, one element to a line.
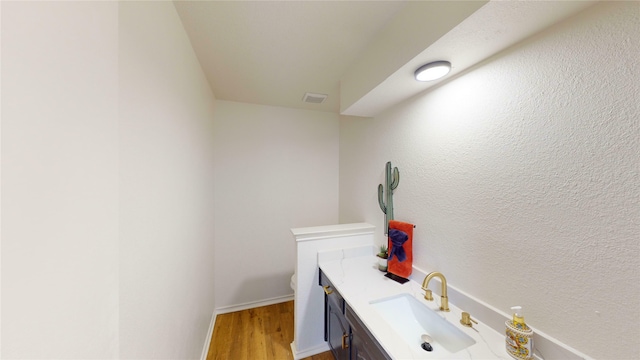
<point>433,71</point>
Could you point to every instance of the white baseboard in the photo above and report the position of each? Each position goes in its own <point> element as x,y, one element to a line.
<point>207,340</point>
<point>297,354</point>
<point>253,304</point>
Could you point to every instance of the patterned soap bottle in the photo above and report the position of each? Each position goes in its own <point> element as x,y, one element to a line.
<point>519,336</point>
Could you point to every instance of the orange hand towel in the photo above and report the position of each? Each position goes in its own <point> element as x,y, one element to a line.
<point>400,246</point>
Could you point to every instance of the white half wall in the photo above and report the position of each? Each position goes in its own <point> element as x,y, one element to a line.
<point>276,169</point>
<point>522,176</point>
<point>311,242</point>
<point>59,180</point>
<point>166,187</point>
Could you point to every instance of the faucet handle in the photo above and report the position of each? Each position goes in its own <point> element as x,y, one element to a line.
<point>427,294</point>
<point>466,319</point>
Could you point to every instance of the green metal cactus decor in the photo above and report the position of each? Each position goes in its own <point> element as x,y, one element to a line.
<point>391,183</point>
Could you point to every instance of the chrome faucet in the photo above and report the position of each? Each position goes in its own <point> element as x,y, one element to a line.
<point>444,306</point>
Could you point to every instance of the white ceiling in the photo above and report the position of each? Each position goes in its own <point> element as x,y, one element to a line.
<point>362,54</point>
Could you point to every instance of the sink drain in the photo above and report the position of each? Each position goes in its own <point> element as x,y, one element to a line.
<point>427,339</point>
<point>426,346</point>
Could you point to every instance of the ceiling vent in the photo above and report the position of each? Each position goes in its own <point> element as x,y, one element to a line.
<point>314,98</point>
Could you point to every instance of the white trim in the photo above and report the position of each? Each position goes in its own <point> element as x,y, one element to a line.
<point>297,355</point>
<point>207,340</point>
<point>311,238</point>
<point>332,231</point>
<point>253,304</point>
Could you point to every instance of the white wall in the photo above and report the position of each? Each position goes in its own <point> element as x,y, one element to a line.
<point>0,180</point>
<point>276,169</point>
<point>522,176</point>
<point>107,213</point>
<point>59,180</point>
<point>166,184</point>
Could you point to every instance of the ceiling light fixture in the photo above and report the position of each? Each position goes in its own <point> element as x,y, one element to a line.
<point>432,71</point>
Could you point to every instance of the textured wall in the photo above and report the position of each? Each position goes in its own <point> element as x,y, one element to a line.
<point>522,178</point>
<point>276,169</point>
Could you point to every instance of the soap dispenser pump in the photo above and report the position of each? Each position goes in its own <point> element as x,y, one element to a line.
<point>518,317</point>
<point>519,336</point>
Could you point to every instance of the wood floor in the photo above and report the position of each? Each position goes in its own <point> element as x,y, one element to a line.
<point>263,333</point>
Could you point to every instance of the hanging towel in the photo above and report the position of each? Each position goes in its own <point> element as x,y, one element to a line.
<point>397,239</point>
<point>400,246</point>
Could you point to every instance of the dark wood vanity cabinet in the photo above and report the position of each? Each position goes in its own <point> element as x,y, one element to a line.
<point>336,328</point>
<point>337,332</point>
<point>345,333</point>
<point>363,344</point>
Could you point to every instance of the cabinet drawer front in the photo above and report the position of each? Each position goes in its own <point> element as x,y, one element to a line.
<point>331,293</point>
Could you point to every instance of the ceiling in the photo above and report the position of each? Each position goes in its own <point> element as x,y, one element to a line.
<point>362,54</point>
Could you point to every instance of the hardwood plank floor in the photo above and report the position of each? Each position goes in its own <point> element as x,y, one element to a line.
<point>262,333</point>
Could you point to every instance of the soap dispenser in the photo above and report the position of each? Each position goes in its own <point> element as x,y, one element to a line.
<point>519,336</point>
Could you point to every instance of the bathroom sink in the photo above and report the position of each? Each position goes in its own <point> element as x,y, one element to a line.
<point>411,319</point>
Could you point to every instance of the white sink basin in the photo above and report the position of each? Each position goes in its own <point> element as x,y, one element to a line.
<point>410,318</point>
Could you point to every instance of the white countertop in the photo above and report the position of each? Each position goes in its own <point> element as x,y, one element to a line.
<point>359,281</point>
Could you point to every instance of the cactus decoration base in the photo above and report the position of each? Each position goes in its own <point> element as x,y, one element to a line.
<point>392,178</point>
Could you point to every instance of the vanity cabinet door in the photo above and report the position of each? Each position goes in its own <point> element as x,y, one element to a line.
<point>363,345</point>
<point>338,332</point>
<point>359,349</point>
<point>336,327</point>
